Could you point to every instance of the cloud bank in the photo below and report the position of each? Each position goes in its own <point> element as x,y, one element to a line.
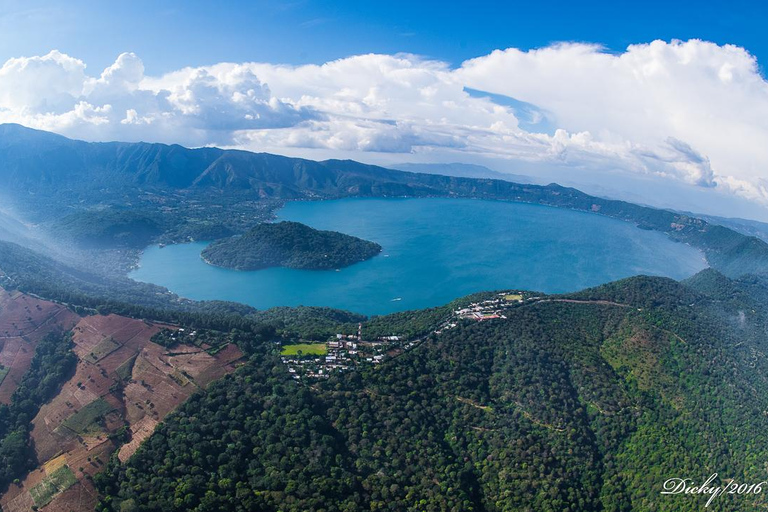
<point>693,112</point>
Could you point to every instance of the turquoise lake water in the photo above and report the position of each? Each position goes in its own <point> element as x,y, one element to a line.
<point>435,250</point>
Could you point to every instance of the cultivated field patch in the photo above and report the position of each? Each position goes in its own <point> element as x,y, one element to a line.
<point>87,419</point>
<point>104,348</point>
<point>58,481</point>
<point>122,383</point>
<point>24,321</point>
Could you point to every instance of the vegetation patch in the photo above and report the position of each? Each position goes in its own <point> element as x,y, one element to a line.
<point>125,370</point>
<point>103,349</point>
<point>83,420</point>
<point>3,372</point>
<point>304,349</point>
<point>55,483</point>
<point>179,378</point>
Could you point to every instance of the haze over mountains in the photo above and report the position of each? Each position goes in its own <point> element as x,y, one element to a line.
<point>465,171</point>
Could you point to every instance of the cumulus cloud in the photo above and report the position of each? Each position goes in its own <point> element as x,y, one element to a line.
<point>53,92</point>
<point>50,84</point>
<point>693,112</point>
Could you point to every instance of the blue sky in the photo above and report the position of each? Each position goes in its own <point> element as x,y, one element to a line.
<point>650,101</point>
<point>171,34</point>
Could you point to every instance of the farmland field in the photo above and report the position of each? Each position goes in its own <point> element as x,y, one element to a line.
<point>83,421</point>
<point>121,381</point>
<point>101,350</point>
<point>58,481</point>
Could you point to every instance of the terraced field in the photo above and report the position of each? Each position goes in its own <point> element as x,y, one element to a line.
<point>122,381</point>
<point>24,321</point>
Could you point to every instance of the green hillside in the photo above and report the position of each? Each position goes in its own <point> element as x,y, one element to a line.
<point>563,406</point>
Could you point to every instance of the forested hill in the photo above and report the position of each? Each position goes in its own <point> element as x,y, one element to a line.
<point>586,402</point>
<point>50,171</point>
<point>289,244</point>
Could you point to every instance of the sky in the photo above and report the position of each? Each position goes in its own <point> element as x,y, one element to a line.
<point>662,102</point>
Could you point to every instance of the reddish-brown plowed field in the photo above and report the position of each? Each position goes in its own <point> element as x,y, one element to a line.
<point>99,400</point>
<point>24,321</point>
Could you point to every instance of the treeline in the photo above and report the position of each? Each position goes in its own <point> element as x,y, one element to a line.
<point>51,365</point>
<point>308,322</point>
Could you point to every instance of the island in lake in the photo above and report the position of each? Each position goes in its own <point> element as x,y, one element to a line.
<point>289,244</point>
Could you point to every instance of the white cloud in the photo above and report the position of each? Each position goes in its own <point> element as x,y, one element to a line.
<point>54,93</point>
<point>693,112</point>
<point>51,83</point>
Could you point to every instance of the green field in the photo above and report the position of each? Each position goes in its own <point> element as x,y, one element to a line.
<point>103,349</point>
<point>125,370</point>
<point>304,349</point>
<point>3,372</point>
<point>83,420</point>
<point>58,481</point>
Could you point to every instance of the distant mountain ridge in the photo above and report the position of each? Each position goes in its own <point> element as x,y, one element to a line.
<point>47,170</point>
<point>462,170</point>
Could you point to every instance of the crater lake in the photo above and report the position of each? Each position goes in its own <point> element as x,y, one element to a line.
<point>434,250</point>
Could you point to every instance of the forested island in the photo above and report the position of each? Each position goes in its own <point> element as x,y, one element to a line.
<point>291,245</point>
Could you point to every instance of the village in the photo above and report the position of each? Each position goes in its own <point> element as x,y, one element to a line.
<point>344,352</point>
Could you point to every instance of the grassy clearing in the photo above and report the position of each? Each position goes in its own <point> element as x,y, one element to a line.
<point>103,349</point>
<point>304,349</point>
<point>3,372</point>
<point>125,370</point>
<point>84,420</point>
<point>179,378</point>
<point>58,481</point>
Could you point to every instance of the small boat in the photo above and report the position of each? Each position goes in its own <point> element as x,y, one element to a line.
<point>396,299</point>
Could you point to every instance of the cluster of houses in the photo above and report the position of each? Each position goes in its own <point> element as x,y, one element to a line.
<point>343,352</point>
<point>346,351</point>
<point>489,309</point>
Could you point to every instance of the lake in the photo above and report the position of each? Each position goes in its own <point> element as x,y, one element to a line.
<point>435,250</point>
